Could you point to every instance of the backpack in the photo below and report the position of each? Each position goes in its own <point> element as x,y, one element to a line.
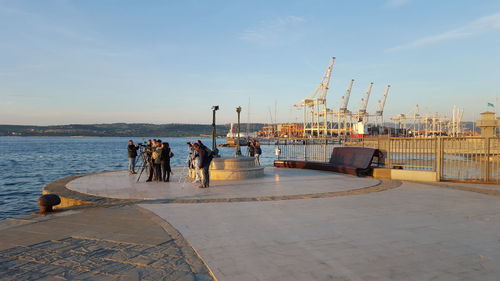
<point>156,156</point>
<point>210,154</point>
<point>258,150</point>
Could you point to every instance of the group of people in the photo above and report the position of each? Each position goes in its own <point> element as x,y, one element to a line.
<point>199,159</point>
<point>156,156</point>
<point>254,150</point>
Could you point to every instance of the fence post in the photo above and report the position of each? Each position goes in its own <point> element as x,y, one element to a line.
<point>324,150</point>
<point>305,150</point>
<point>278,147</point>
<point>487,140</point>
<point>439,145</point>
<point>389,157</point>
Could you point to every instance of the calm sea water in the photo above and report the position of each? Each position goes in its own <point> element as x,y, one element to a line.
<point>29,163</point>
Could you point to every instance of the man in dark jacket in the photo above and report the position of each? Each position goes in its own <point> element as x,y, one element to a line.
<point>132,154</point>
<point>149,159</point>
<point>166,153</point>
<point>203,164</point>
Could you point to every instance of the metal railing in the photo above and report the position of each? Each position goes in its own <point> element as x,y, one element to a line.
<point>306,150</point>
<point>468,159</point>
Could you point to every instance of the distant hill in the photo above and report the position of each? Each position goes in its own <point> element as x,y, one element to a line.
<point>120,130</point>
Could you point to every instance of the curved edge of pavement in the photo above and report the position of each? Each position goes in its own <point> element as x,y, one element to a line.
<point>73,199</point>
<point>193,258</point>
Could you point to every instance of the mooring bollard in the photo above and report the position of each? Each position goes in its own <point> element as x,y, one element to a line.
<point>47,201</point>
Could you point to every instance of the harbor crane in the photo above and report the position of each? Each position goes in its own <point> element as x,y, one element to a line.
<point>345,98</point>
<point>379,114</point>
<point>360,118</point>
<point>430,124</point>
<point>315,107</point>
<point>342,114</point>
<point>364,104</point>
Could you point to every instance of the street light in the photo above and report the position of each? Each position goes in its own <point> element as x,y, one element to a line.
<point>214,144</point>
<point>238,148</point>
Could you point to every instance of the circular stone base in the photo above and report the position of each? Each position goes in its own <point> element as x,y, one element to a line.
<point>235,168</point>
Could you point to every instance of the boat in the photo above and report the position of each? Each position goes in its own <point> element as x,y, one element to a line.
<point>232,137</point>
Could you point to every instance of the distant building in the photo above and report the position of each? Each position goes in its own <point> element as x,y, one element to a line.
<point>488,124</point>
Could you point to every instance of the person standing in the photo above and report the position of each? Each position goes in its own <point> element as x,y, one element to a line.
<point>166,154</point>
<point>149,158</point>
<point>258,151</point>
<point>196,164</point>
<point>203,164</point>
<point>156,160</point>
<point>251,149</point>
<point>132,154</point>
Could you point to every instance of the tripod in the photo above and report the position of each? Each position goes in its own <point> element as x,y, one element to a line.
<point>144,156</point>
<point>184,174</point>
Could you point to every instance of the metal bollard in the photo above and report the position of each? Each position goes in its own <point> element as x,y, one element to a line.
<point>47,201</point>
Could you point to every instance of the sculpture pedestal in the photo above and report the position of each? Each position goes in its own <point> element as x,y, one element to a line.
<point>235,168</point>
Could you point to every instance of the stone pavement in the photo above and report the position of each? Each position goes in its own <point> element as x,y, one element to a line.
<point>289,225</point>
<point>277,182</point>
<point>114,243</point>
<point>414,232</point>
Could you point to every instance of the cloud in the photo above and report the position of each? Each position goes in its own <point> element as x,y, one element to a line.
<point>395,3</point>
<point>476,27</point>
<point>274,32</point>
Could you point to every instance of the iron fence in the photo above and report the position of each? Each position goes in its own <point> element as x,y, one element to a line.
<point>306,150</point>
<point>469,159</point>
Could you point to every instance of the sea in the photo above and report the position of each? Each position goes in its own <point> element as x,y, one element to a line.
<point>27,164</point>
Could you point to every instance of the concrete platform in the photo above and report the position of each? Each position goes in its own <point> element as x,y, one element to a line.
<point>289,225</point>
<point>414,232</point>
<point>276,182</point>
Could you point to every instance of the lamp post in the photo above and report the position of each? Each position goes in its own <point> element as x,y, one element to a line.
<point>214,135</point>
<point>238,148</point>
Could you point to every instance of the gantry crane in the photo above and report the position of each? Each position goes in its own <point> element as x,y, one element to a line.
<point>379,114</point>
<point>364,103</point>
<point>315,108</point>
<point>430,124</point>
<point>359,119</point>
<point>342,115</point>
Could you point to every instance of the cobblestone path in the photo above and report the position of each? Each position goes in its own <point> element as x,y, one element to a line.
<point>150,257</point>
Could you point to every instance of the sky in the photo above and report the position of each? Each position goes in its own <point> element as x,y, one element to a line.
<point>108,61</point>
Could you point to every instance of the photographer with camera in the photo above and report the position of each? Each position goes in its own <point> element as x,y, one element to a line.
<point>205,156</point>
<point>149,158</point>
<point>132,154</point>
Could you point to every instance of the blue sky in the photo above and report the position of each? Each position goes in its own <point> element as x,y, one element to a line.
<point>89,61</point>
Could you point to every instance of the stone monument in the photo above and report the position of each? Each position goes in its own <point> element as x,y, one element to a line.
<point>235,168</point>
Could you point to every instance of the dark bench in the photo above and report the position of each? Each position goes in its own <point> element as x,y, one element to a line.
<point>349,160</point>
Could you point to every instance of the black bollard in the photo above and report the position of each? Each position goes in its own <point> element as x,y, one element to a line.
<point>47,201</point>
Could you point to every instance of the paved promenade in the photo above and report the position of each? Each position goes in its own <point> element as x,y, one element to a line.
<point>277,182</point>
<point>122,242</point>
<point>289,225</point>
